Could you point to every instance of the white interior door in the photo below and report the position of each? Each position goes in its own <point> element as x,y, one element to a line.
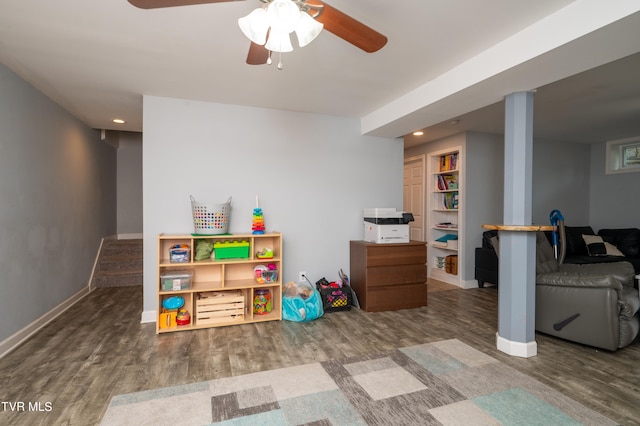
<point>413,198</point>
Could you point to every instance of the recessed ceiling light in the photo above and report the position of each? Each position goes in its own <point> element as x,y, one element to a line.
<point>118,121</point>
<point>418,133</point>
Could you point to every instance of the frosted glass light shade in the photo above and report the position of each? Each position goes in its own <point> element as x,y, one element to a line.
<point>307,29</point>
<point>283,15</point>
<point>279,41</point>
<point>271,25</point>
<point>255,26</point>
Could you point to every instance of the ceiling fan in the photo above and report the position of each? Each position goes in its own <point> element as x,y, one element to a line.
<point>334,21</point>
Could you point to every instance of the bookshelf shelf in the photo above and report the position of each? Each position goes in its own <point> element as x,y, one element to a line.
<point>444,221</point>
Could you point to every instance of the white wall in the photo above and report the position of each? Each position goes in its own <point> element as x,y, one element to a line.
<point>129,208</point>
<point>314,175</point>
<point>57,199</point>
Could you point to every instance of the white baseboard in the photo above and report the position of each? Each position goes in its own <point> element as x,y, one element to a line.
<point>453,280</point>
<point>130,236</point>
<point>96,259</point>
<point>148,316</point>
<point>11,342</point>
<point>520,349</point>
<point>466,284</point>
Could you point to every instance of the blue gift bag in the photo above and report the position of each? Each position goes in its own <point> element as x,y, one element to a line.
<point>299,309</point>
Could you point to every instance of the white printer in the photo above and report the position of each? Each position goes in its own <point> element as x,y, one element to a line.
<point>386,225</point>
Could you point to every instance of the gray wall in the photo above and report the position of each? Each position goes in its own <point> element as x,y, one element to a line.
<point>313,173</point>
<point>129,208</point>
<point>615,198</point>
<point>567,176</point>
<point>57,198</point>
<point>571,177</point>
<point>561,180</point>
<point>483,193</point>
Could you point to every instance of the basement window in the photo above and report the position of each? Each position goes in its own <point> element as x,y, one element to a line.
<point>623,155</point>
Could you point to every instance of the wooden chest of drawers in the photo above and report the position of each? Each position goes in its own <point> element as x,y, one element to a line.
<point>389,276</point>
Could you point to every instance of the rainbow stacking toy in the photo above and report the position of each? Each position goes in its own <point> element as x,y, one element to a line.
<point>257,225</point>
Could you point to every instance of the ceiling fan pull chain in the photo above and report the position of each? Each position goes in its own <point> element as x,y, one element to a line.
<point>280,66</point>
<point>269,58</point>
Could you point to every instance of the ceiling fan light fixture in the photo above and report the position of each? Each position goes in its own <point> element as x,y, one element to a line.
<point>272,24</point>
<point>255,26</point>
<point>307,29</point>
<point>283,15</point>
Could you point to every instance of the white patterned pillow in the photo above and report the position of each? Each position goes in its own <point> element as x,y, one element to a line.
<point>596,246</point>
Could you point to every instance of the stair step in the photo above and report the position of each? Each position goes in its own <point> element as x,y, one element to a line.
<point>119,264</point>
<point>122,251</point>
<point>119,272</point>
<point>121,256</point>
<point>123,243</point>
<point>117,280</point>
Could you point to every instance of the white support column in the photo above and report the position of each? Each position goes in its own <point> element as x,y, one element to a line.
<point>516,310</point>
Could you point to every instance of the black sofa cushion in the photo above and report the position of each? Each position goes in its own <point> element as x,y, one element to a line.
<point>626,240</point>
<point>487,237</point>
<point>575,242</point>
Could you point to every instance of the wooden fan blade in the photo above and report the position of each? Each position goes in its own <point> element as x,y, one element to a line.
<point>348,29</point>
<point>258,54</point>
<point>156,4</point>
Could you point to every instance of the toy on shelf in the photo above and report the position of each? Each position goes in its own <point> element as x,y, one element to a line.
<point>266,274</point>
<point>179,253</point>
<point>262,301</point>
<point>173,303</point>
<point>170,309</point>
<point>257,225</point>
<point>183,317</point>
<point>265,253</point>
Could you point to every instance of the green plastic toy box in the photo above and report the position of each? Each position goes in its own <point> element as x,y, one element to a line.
<point>231,249</point>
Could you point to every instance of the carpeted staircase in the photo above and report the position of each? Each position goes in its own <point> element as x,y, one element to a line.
<point>119,264</point>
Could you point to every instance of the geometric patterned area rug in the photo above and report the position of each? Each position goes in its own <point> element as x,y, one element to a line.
<point>445,382</point>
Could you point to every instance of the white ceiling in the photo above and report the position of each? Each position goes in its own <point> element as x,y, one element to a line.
<point>600,104</point>
<point>98,58</point>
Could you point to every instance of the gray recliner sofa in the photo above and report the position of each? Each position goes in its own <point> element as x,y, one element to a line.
<point>592,304</point>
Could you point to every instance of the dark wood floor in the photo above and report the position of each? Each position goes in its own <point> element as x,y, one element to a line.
<point>98,349</point>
